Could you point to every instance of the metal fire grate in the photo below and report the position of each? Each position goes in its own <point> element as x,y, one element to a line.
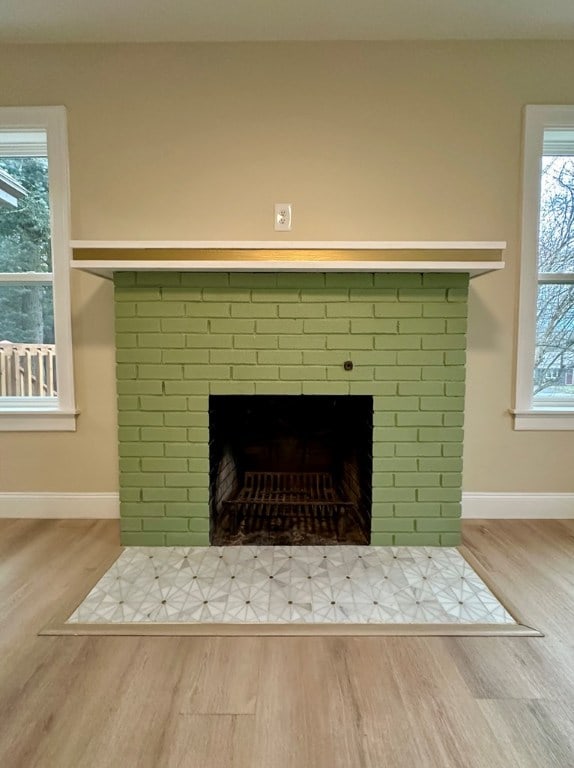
<point>289,490</point>
<point>288,494</point>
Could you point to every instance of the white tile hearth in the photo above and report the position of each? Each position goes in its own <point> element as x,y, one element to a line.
<point>291,585</point>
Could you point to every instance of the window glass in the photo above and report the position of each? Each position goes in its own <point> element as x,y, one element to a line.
<point>554,351</point>
<point>554,358</point>
<point>556,229</point>
<point>27,343</point>
<point>25,244</point>
<point>26,313</point>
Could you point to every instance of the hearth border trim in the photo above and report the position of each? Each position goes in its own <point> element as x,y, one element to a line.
<point>292,630</point>
<point>58,625</point>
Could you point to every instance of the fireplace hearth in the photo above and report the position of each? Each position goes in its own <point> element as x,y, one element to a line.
<point>290,469</point>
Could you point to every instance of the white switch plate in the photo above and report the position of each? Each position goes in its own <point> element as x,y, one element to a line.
<point>283,217</point>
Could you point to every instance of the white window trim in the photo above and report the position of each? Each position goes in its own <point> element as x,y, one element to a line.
<point>50,414</point>
<point>527,414</point>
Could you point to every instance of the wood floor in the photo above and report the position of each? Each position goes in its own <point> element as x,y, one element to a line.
<point>294,702</point>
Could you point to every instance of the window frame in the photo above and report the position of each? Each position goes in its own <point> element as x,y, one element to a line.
<point>59,413</point>
<point>529,415</point>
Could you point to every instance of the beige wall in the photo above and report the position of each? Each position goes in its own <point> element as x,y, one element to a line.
<point>382,141</point>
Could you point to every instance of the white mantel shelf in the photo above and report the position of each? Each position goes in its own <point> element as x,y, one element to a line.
<point>106,257</point>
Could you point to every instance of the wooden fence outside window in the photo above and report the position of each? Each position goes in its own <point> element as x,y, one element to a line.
<point>27,370</point>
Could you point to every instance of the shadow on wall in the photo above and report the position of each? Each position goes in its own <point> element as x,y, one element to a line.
<point>92,311</point>
<point>484,330</point>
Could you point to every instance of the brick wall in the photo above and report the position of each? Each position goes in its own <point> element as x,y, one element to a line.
<point>183,336</point>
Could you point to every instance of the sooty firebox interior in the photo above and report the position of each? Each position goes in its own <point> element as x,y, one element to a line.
<point>290,469</point>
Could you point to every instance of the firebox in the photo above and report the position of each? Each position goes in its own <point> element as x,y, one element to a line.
<point>288,469</point>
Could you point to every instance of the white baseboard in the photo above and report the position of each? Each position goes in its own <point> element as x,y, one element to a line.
<point>504,506</point>
<point>106,505</point>
<point>60,505</point>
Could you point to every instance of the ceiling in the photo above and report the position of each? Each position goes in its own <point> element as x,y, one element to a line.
<point>68,21</point>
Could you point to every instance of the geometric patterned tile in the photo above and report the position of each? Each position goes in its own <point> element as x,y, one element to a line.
<point>303,585</point>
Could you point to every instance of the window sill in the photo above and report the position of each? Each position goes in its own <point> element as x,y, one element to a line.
<point>35,420</point>
<point>549,419</point>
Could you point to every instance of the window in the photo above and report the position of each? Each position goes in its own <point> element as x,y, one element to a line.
<point>36,375</point>
<point>545,370</point>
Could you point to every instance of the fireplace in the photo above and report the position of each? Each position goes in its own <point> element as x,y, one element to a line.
<point>290,469</point>
<point>323,340</point>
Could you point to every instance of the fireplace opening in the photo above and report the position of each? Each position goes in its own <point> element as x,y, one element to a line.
<point>290,469</point>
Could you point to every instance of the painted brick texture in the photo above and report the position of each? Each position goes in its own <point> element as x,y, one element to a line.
<point>183,336</point>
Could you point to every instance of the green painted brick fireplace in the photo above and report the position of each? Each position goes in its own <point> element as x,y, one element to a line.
<point>182,336</point>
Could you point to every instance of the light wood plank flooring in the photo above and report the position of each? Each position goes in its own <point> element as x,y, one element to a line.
<point>293,702</point>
